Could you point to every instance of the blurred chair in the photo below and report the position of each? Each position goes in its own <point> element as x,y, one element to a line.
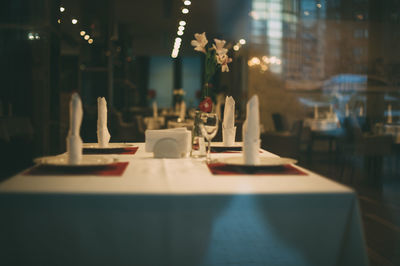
<point>279,122</point>
<point>368,147</point>
<point>284,143</point>
<point>122,131</point>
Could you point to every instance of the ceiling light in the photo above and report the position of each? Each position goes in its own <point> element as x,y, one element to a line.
<point>62,9</point>
<point>182,23</point>
<point>187,3</point>
<point>180,33</point>
<point>83,33</point>
<point>59,21</point>
<point>177,39</point>
<point>90,41</point>
<point>306,13</point>
<point>319,5</point>
<point>74,21</point>
<point>181,28</point>
<point>185,10</point>
<point>242,41</point>
<point>236,47</point>
<point>86,37</point>
<point>30,36</point>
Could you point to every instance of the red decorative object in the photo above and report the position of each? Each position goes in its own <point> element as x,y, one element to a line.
<point>206,105</point>
<point>151,94</point>
<point>114,169</point>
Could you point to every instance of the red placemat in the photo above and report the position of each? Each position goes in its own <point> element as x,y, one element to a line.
<point>129,150</point>
<point>225,169</point>
<point>226,149</point>
<point>114,169</point>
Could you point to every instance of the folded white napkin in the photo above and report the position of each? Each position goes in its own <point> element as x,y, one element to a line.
<point>389,117</point>
<point>251,133</point>
<point>182,111</point>
<point>169,143</point>
<point>74,141</point>
<point>155,109</point>
<point>229,112</point>
<point>228,125</point>
<point>316,115</point>
<point>103,136</point>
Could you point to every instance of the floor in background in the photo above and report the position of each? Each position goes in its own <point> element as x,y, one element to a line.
<point>379,200</point>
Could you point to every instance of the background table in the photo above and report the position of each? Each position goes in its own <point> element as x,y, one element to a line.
<point>175,212</point>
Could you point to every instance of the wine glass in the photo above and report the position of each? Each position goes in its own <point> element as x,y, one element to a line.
<point>209,128</point>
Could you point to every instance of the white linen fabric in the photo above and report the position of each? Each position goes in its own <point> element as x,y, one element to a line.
<point>74,141</point>
<point>103,136</point>
<point>251,133</point>
<point>229,112</point>
<point>175,212</point>
<point>228,125</point>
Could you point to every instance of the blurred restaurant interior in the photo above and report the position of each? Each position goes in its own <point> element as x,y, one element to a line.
<point>327,73</point>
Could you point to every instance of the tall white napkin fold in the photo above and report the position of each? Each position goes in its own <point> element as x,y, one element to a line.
<point>389,117</point>
<point>229,112</point>
<point>103,136</point>
<point>155,109</point>
<point>182,111</point>
<point>74,141</point>
<point>316,115</point>
<point>251,133</point>
<point>181,136</point>
<point>228,125</point>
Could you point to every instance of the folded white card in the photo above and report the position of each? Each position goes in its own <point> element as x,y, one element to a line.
<point>174,141</point>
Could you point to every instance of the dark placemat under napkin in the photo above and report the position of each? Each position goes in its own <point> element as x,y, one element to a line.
<point>129,150</point>
<point>114,169</point>
<point>227,169</point>
<point>222,149</point>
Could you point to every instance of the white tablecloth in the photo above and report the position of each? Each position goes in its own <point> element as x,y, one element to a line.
<point>175,212</point>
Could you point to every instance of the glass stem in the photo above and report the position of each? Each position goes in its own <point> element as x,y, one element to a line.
<point>208,158</point>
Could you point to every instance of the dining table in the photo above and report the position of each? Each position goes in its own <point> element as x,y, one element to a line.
<point>179,212</point>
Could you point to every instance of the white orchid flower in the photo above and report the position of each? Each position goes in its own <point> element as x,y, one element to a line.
<point>200,42</point>
<point>219,47</point>
<point>224,60</point>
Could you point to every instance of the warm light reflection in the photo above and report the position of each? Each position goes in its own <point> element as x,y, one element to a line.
<point>74,21</point>
<point>180,33</point>
<point>236,47</point>
<point>62,9</point>
<point>182,23</point>
<point>187,3</point>
<point>181,28</point>
<point>86,37</point>
<point>306,13</point>
<point>185,10</point>
<point>83,33</point>
<point>242,41</point>
<point>59,21</point>
<point>254,61</point>
<point>90,41</point>
<point>319,5</point>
